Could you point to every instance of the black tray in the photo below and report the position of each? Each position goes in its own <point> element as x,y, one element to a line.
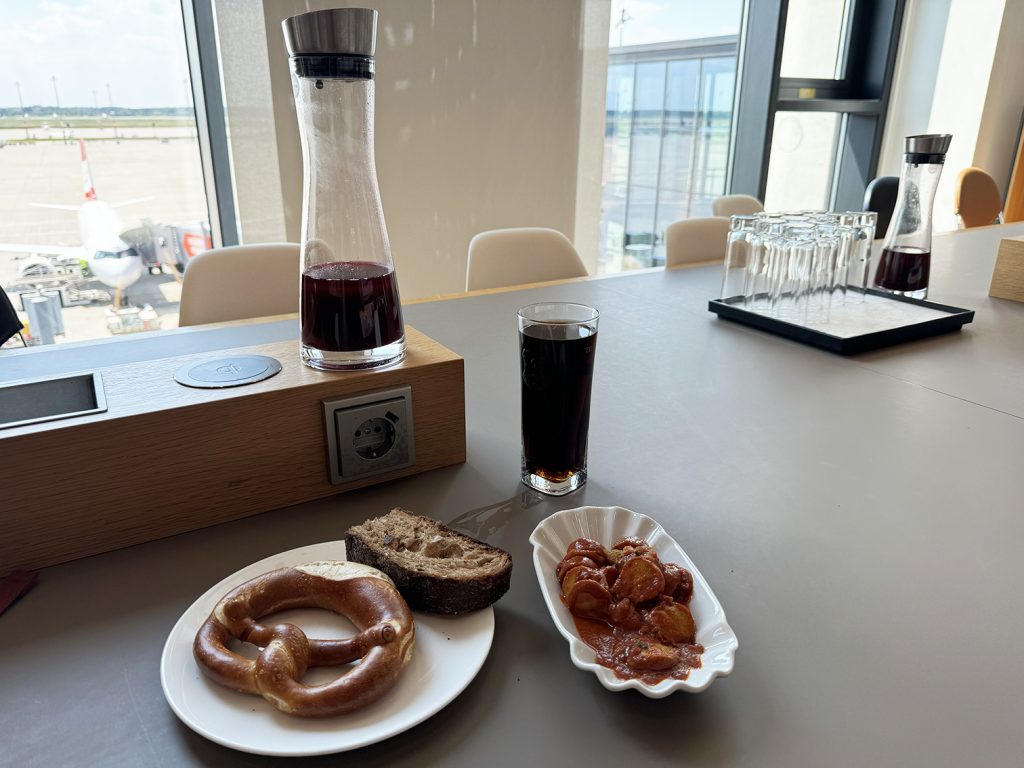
<point>940,318</point>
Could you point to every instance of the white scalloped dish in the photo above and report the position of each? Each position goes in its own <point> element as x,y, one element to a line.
<point>607,525</point>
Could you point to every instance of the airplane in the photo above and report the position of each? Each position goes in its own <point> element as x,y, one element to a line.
<point>113,261</point>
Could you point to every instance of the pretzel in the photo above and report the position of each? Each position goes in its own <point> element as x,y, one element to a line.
<point>362,594</point>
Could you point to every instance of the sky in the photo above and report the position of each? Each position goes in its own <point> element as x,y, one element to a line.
<point>138,46</point>
<point>658,21</point>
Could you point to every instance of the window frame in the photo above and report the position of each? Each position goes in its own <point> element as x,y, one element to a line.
<point>861,96</point>
<point>200,27</point>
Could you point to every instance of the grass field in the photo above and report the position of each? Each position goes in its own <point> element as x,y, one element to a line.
<point>160,121</point>
<point>34,130</point>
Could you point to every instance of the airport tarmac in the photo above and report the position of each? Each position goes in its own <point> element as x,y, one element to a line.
<point>166,171</point>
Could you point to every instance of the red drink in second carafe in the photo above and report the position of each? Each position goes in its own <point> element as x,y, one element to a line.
<point>904,269</point>
<point>348,306</point>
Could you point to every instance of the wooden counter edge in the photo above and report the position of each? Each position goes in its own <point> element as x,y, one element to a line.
<point>166,459</point>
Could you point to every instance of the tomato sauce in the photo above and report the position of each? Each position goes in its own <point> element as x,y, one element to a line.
<point>612,643</point>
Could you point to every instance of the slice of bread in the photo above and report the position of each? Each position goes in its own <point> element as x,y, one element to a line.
<point>436,569</point>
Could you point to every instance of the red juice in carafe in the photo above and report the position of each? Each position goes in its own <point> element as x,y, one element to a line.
<point>904,269</point>
<point>349,306</point>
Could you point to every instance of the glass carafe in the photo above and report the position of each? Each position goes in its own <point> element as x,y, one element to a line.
<point>905,263</point>
<point>351,315</point>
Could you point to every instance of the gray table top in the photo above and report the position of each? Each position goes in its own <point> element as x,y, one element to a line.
<point>859,519</point>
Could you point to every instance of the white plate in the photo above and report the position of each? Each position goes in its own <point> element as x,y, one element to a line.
<point>607,525</point>
<point>447,655</point>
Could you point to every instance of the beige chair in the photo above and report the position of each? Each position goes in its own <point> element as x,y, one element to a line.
<point>736,205</point>
<point>240,282</point>
<point>503,257</point>
<point>976,199</point>
<point>692,240</point>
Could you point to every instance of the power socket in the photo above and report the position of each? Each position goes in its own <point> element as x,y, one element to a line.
<point>369,434</point>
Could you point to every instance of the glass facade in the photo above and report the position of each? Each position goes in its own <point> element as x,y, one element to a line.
<point>669,116</point>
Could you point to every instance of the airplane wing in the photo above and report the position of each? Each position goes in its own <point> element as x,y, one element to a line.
<point>43,250</point>
<point>56,206</point>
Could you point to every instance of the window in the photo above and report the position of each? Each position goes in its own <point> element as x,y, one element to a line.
<point>813,47</point>
<point>801,163</point>
<point>822,109</point>
<point>104,197</point>
<point>668,122</point>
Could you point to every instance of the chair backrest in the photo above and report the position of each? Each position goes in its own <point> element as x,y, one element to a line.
<point>240,282</point>
<point>736,205</point>
<point>880,197</point>
<point>693,240</point>
<point>976,199</point>
<point>503,257</point>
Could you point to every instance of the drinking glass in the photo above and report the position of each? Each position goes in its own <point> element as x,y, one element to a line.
<point>738,255</point>
<point>557,344</point>
<point>771,231</point>
<point>857,276</point>
<point>799,266</point>
<point>757,282</point>
<point>846,232</point>
<point>826,249</point>
<point>794,293</point>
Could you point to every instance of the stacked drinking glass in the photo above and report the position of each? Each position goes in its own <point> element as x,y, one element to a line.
<point>797,266</point>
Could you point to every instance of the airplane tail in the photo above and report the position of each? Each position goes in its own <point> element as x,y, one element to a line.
<point>87,183</point>
<point>88,188</point>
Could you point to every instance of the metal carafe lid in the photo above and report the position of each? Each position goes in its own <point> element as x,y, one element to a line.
<point>337,31</point>
<point>928,144</point>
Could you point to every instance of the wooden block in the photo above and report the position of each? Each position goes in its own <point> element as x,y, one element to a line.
<point>1008,275</point>
<point>165,459</point>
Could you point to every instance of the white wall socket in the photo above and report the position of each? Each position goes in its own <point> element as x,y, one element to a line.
<point>369,434</point>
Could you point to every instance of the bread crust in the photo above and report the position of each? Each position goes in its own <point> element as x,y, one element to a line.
<point>430,592</point>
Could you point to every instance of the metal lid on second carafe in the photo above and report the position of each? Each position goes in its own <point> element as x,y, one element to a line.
<point>336,31</point>
<point>928,143</point>
<point>927,147</point>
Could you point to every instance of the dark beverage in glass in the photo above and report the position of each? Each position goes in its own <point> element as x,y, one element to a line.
<point>557,346</point>
<point>350,306</point>
<point>903,269</point>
